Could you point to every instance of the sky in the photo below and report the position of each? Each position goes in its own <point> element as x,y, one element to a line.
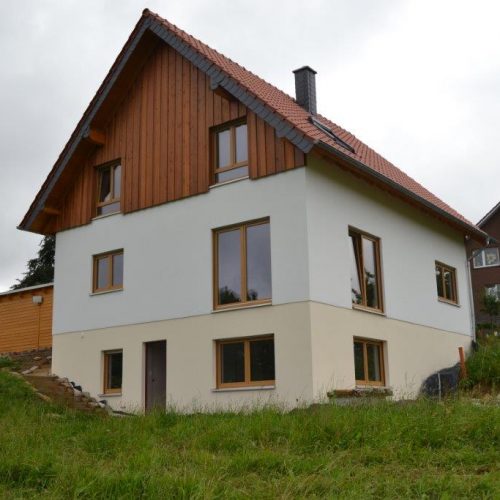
<point>417,80</point>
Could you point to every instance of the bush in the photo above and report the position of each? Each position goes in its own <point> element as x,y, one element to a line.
<point>483,365</point>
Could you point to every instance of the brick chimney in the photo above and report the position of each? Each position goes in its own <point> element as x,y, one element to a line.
<point>305,88</point>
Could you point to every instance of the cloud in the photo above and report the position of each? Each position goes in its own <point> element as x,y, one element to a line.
<point>417,80</point>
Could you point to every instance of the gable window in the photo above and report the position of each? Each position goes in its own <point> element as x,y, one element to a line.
<point>488,257</point>
<point>113,370</point>
<point>109,189</point>
<point>245,362</point>
<point>366,286</point>
<point>108,271</point>
<point>242,264</point>
<point>446,282</point>
<point>230,152</point>
<point>369,362</point>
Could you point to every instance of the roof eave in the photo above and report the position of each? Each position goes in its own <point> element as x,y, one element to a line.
<point>467,229</point>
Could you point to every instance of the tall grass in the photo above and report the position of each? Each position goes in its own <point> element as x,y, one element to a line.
<point>483,365</point>
<point>417,450</point>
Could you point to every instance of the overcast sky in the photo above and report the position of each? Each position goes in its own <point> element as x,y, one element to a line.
<point>417,80</point>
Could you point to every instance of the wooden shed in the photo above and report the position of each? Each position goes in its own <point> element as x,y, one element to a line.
<point>26,318</point>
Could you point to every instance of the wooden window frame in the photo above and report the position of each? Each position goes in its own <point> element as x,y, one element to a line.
<point>95,259</point>
<point>105,384</point>
<point>366,382</point>
<point>243,265</point>
<point>99,204</point>
<point>247,363</point>
<point>453,271</point>
<point>215,131</point>
<point>359,235</point>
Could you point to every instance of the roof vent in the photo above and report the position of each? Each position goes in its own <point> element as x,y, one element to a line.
<point>305,88</point>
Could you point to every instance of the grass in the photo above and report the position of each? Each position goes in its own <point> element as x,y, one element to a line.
<point>407,450</point>
<point>483,365</point>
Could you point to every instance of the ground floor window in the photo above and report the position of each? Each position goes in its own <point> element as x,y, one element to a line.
<point>245,362</point>
<point>369,362</point>
<point>446,282</point>
<point>113,370</point>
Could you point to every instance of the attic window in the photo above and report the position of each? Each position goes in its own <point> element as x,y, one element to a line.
<point>109,189</point>
<point>330,133</point>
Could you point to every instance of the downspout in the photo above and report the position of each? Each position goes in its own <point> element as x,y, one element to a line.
<point>471,297</point>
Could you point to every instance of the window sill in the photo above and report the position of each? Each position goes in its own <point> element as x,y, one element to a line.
<point>232,181</point>
<point>105,292</point>
<point>241,307</point>
<point>245,389</point>
<point>110,395</point>
<point>368,310</point>
<point>449,302</point>
<point>97,217</point>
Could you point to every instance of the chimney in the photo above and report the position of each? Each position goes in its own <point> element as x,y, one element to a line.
<point>305,88</point>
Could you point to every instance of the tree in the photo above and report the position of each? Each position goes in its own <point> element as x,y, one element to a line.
<point>491,305</point>
<point>40,269</point>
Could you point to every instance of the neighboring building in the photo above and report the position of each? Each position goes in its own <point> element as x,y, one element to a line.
<point>220,243</point>
<point>485,269</point>
<point>26,319</point>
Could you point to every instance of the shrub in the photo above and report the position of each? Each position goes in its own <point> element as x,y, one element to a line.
<point>483,365</point>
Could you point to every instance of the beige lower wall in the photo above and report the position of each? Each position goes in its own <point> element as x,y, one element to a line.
<point>412,352</point>
<point>313,355</point>
<point>191,357</point>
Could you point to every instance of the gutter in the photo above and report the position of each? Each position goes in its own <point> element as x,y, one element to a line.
<point>372,173</point>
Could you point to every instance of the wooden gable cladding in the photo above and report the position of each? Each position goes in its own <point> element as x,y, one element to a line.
<point>161,134</point>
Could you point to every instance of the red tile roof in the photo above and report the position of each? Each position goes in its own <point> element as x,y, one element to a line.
<point>286,106</point>
<point>280,102</point>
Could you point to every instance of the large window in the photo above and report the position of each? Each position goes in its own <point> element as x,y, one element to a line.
<point>113,369</point>
<point>230,152</point>
<point>493,290</point>
<point>366,286</point>
<point>108,271</point>
<point>488,257</point>
<point>109,189</point>
<point>446,282</point>
<point>242,264</point>
<point>369,362</point>
<point>245,362</point>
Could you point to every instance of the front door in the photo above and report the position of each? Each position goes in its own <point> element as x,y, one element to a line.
<point>156,375</point>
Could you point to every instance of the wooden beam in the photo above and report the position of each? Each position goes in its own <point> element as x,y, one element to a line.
<point>95,136</point>
<point>224,94</point>
<point>51,210</point>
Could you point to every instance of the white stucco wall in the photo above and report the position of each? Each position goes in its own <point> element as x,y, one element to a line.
<point>411,242</point>
<point>168,254</point>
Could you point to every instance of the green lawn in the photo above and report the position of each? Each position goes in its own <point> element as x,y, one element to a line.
<point>411,450</point>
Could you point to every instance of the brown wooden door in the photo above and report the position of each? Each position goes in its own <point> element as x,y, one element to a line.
<point>156,375</point>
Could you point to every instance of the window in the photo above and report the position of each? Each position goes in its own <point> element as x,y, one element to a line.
<point>242,264</point>
<point>108,271</point>
<point>113,368</point>
<point>493,290</point>
<point>366,287</point>
<point>488,257</point>
<point>245,362</point>
<point>109,188</point>
<point>230,152</point>
<point>446,282</point>
<point>369,362</point>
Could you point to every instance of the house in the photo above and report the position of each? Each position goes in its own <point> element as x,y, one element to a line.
<point>220,243</point>
<point>485,271</point>
<point>26,319</point>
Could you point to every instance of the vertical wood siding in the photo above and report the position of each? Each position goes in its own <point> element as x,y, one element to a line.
<point>24,325</point>
<point>161,134</point>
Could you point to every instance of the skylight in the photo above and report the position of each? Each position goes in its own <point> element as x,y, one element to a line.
<point>330,133</point>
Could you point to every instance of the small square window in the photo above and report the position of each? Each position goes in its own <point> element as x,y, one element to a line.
<point>488,257</point>
<point>113,371</point>
<point>109,189</point>
<point>230,152</point>
<point>108,271</point>
<point>369,362</point>
<point>245,362</point>
<point>446,283</point>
